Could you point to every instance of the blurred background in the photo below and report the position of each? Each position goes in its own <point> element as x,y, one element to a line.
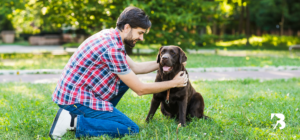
<point>193,24</point>
<point>243,57</point>
<point>43,34</point>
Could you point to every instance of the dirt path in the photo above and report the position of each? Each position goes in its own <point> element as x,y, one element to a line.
<point>265,75</point>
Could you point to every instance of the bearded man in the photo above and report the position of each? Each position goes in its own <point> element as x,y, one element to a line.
<point>97,76</point>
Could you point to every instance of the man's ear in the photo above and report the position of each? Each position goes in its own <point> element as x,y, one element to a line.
<point>158,56</point>
<point>182,56</point>
<point>127,28</point>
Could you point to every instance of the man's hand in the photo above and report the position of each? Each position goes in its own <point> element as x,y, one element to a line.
<point>132,81</point>
<point>181,79</point>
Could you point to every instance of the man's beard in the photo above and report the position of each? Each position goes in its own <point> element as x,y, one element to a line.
<point>129,41</point>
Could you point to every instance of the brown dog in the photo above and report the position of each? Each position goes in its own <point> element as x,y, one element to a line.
<point>184,102</point>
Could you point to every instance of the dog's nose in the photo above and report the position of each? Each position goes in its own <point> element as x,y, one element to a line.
<point>165,57</point>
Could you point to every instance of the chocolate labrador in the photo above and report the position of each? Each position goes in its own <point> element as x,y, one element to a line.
<point>184,102</point>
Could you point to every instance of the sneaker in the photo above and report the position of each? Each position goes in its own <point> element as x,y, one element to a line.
<point>63,121</point>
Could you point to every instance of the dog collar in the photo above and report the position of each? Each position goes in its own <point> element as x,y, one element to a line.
<point>168,94</point>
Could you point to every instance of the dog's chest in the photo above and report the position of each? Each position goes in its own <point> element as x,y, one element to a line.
<point>176,94</point>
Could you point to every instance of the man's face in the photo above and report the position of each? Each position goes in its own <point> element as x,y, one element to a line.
<point>134,35</point>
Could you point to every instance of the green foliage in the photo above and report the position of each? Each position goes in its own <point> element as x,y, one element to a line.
<point>5,23</point>
<point>266,14</point>
<point>188,24</point>
<point>240,109</point>
<point>176,22</point>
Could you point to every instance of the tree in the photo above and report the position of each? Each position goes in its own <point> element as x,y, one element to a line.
<point>268,14</point>
<point>178,22</point>
<point>6,9</point>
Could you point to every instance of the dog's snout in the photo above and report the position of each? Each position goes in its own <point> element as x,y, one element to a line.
<point>165,57</point>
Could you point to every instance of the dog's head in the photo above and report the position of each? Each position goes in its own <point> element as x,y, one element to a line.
<point>170,58</point>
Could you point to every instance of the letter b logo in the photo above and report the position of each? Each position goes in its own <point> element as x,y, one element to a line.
<point>281,117</point>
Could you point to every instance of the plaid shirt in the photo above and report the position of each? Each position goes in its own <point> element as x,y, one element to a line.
<point>90,77</point>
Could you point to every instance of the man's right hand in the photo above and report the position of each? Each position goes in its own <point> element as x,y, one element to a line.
<point>181,79</point>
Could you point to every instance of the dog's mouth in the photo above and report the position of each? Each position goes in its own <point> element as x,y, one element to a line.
<point>167,68</point>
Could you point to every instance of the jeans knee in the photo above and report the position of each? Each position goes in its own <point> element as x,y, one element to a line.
<point>135,129</point>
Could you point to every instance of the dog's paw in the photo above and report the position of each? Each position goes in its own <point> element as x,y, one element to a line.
<point>147,120</point>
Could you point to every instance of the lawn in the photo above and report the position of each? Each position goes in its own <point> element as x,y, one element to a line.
<point>229,59</point>
<point>240,109</point>
<point>20,42</point>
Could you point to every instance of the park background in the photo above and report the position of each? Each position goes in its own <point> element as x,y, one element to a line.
<point>239,37</point>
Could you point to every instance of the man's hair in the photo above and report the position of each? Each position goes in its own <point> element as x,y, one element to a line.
<point>135,17</point>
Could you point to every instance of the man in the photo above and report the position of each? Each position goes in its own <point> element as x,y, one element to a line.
<point>97,76</point>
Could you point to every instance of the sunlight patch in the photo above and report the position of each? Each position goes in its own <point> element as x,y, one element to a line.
<point>24,91</point>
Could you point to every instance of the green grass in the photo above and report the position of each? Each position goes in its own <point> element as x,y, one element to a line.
<point>31,61</point>
<point>264,42</point>
<point>240,109</point>
<point>210,60</point>
<point>251,59</point>
<point>76,45</point>
<point>21,42</point>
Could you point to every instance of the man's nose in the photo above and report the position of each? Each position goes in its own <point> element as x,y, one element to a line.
<point>141,37</point>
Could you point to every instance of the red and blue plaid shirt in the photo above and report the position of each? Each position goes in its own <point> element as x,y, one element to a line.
<point>90,77</point>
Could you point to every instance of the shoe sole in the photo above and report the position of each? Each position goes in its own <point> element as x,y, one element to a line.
<point>54,123</point>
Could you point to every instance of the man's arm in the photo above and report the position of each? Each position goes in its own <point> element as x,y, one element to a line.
<point>132,81</point>
<point>142,68</point>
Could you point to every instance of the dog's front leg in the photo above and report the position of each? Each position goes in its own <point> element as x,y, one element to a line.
<point>153,108</point>
<point>182,111</point>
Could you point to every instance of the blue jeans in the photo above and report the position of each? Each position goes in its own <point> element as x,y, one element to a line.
<point>96,123</point>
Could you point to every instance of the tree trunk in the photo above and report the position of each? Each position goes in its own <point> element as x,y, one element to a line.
<point>282,18</point>
<point>214,27</point>
<point>248,25</point>
<point>241,26</point>
<point>222,29</point>
<point>281,25</point>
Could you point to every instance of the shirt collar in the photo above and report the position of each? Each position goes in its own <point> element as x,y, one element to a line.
<point>119,40</point>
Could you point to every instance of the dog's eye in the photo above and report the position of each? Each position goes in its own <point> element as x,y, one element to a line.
<point>172,53</point>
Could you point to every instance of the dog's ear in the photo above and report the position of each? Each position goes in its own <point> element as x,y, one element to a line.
<point>182,56</point>
<point>158,56</point>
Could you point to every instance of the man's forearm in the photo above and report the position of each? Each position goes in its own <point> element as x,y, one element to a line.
<point>145,67</point>
<point>151,88</point>
<point>132,81</point>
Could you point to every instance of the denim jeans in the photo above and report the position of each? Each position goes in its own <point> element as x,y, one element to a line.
<point>96,123</point>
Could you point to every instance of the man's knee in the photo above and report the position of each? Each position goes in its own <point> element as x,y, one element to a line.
<point>135,129</point>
